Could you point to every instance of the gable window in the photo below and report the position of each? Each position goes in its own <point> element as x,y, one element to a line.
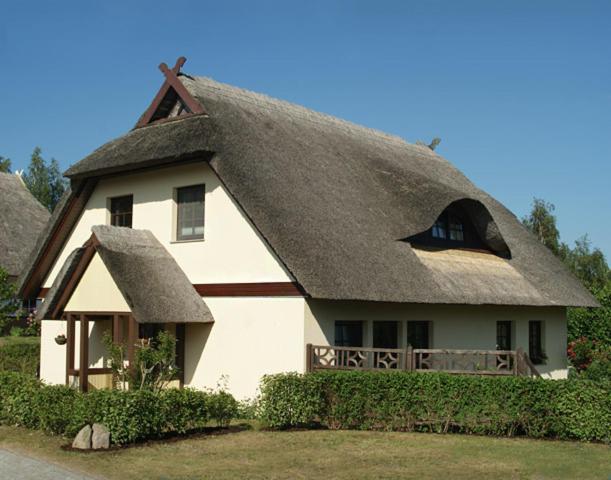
<point>190,213</point>
<point>535,341</point>
<point>418,334</point>
<point>121,209</point>
<point>503,335</point>
<point>456,229</point>
<point>348,334</point>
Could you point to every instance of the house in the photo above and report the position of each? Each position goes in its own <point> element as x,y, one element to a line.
<point>22,219</point>
<point>272,238</point>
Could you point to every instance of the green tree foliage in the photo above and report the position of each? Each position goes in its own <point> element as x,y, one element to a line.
<point>542,223</point>
<point>8,299</point>
<point>44,180</point>
<point>588,264</point>
<point>5,164</point>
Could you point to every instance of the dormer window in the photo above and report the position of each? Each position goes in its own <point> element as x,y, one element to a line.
<point>452,229</point>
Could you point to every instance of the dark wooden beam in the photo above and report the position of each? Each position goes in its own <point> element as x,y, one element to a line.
<point>132,338</point>
<point>84,355</point>
<point>69,347</point>
<point>180,352</point>
<point>266,289</point>
<point>53,247</point>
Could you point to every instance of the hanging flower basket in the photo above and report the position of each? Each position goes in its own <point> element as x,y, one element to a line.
<point>61,339</point>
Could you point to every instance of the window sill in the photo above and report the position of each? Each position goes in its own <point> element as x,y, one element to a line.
<point>195,240</point>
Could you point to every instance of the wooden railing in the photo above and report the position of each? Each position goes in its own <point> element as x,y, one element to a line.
<point>472,362</point>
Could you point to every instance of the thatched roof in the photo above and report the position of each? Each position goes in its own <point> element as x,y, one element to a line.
<point>22,219</point>
<point>337,201</point>
<point>148,277</point>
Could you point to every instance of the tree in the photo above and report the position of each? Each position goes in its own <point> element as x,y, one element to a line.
<point>542,223</point>
<point>433,145</point>
<point>5,164</point>
<point>589,265</point>
<point>44,180</point>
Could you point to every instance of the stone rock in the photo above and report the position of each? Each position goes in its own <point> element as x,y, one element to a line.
<point>82,440</point>
<point>100,437</point>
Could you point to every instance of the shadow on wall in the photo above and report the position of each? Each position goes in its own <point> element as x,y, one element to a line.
<point>196,337</point>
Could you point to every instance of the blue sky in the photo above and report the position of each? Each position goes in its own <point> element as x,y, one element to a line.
<point>519,92</point>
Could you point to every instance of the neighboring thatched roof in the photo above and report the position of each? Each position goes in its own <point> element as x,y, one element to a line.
<point>22,219</point>
<point>336,201</point>
<point>148,277</point>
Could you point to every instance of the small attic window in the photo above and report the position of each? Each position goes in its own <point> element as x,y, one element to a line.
<point>452,229</point>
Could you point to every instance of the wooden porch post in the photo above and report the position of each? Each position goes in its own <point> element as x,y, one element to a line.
<point>409,358</point>
<point>180,352</point>
<point>116,329</point>
<point>84,354</point>
<point>132,338</point>
<point>309,357</point>
<point>69,346</point>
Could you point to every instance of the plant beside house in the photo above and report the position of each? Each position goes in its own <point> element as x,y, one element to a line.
<point>440,403</point>
<point>129,415</point>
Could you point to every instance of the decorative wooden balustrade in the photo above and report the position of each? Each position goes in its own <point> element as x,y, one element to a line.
<point>471,362</point>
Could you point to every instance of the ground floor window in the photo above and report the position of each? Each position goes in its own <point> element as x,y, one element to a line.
<point>418,334</point>
<point>535,341</point>
<point>503,335</point>
<point>348,334</point>
<point>385,334</point>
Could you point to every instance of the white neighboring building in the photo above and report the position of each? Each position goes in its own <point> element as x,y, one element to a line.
<point>260,227</point>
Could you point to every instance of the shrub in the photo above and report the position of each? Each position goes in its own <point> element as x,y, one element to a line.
<point>20,357</point>
<point>438,402</point>
<point>130,415</point>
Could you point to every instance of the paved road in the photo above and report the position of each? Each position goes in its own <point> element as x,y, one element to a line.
<point>14,466</point>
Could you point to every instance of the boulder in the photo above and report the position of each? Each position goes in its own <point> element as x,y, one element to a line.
<point>100,437</point>
<point>82,440</point>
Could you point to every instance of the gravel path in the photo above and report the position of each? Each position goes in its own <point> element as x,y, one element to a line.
<point>15,466</point>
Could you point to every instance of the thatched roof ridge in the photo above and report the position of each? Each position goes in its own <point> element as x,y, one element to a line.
<point>337,201</point>
<point>22,220</point>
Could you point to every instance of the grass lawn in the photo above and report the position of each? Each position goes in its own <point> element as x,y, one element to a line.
<point>14,340</point>
<point>327,454</point>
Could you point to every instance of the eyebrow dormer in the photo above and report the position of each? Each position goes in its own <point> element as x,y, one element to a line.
<point>464,224</point>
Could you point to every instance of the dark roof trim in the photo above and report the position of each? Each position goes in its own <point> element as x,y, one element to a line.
<point>171,82</point>
<point>61,224</point>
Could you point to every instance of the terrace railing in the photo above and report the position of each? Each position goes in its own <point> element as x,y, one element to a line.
<point>469,362</point>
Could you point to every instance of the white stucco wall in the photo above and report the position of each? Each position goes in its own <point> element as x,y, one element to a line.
<point>452,326</point>
<point>249,338</point>
<point>232,250</point>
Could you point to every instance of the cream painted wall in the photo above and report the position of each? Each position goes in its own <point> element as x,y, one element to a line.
<point>97,291</point>
<point>53,356</point>
<point>232,250</point>
<point>453,326</point>
<point>249,338</point>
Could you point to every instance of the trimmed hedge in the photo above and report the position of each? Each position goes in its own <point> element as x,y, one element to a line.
<point>438,402</point>
<point>131,416</point>
<point>20,357</point>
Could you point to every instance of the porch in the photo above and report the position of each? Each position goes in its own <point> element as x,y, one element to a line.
<point>465,362</point>
<point>87,361</point>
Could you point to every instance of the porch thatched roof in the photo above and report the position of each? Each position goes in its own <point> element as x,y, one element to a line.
<point>151,282</point>
<point>336,201</point>
<point>22,220</point>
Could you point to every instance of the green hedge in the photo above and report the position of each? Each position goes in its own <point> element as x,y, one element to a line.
<point>20,357</point>
<point>130,416</point>
<point>437,402</point>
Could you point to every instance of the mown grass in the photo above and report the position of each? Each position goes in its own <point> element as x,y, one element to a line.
<point>327,454</point>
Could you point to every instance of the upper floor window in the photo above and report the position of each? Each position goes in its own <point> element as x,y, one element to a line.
<point>190,213</point>
<point>121,209</point>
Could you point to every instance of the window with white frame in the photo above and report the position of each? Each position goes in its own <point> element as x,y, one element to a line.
<point>190,212</point>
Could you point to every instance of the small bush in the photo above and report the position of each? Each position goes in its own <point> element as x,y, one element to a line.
<point>131,416</point>
<point>20,357</point>
<point>437,402</point>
